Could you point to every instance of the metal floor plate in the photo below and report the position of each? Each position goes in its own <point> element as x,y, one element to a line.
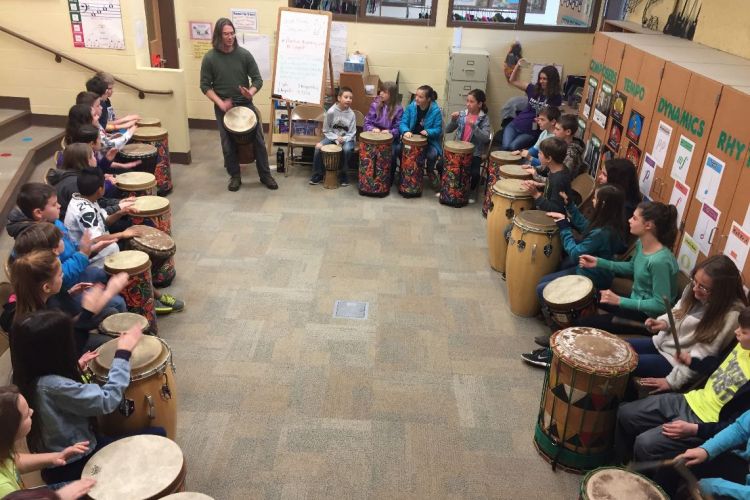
<point>349,309</point>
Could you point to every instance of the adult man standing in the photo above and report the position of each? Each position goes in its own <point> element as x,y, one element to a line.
<point>224,80</point>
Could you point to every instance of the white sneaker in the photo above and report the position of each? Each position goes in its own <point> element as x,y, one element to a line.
<point>472,200</point>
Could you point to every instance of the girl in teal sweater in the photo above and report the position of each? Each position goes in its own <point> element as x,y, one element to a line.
<point>653,268</point>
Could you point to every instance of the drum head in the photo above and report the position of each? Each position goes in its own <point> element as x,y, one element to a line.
<point>515,171</point>
<point>187,495</point>
<point>376,137</point>
<point>458,146</point>
<point>148,122</point>
<point>121,322</point>
<point>129,261</point>
<point>613,483</point>
<point>594,351</point>
<point>535,220</point>
<point>415,140</point>
<point>138,150</point>
<point>149,134</point>
<point>136,467</point>
<point>331,148</point>
<point>131,180</point>
<point>153,238</point>
<point>505,156</point>
<point>568,289</point>
<point>240,119</point>
<point>510,188</point>
<point>150,204</point>
<point>147,355</point>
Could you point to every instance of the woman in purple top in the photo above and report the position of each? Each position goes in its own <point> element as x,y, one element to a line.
<point>385,116</point>
<point>520,133</point>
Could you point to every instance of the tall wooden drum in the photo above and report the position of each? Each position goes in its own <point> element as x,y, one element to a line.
<point>456,181</point>
<point>331,160</point>
<point>241,122</point>
<point>497,159</point>
<point>412,166</point>
<point>508,199</point>
<point>155,210</point>
<point>375,163</point>
<point>159,138</point>
<point>582,389</point>
<point>139,292</point>
<point>533,251</point>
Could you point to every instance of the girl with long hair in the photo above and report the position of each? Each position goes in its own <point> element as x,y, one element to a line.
<point>423,116</point>
<point>385,116</point>
<point>472,124</point>
<point>622,173</point>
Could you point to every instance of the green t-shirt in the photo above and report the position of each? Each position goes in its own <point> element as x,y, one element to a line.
<point>224,73</point>
<point>10,480</point>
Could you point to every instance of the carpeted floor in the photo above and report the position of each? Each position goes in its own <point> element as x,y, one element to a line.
<point>427,398</point>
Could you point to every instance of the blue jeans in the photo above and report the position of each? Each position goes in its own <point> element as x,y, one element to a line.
<point>651,363</point>
<point>347,147</point>
<point>514,139</point>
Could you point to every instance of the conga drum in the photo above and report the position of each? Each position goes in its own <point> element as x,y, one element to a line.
<point>412,166</point>
<point>533,251</point>
<point>616,483</point>
<point>569,298</point>
<point>155,210</point>
<point>508,199</point>
<point>118,323</point>
<point>331,160</point>
<point>141,467</point>
<point>515,172</point>
<point>159,138</point>
<point>137,183</point>
<point>147,121</point>
<point>160,248</point>
<point>375,163</point>
<point>497,160</point>
<point>456,181</point>
<point>146,153</point>
<point>151,398</point>
<point>139,292</point>
<point>582,389</point>
<point>241,122</point>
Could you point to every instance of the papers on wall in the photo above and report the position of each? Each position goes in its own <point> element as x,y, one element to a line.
<point>337,44</point>
<point>738,243</point>
<point>705,228</point>
<point>97,24</point>
<point>679,198</point>
<point>603,103</point>
<point>260,47</point>
<point>682,159</point>
<point>647,175</point>
<point>710,179</point>
<point>661,145</point>
<point>200,48</point>
<point>688,254</point>
<point>458,34</point>
<point>245,20</point>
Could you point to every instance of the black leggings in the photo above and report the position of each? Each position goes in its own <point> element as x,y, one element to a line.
<point>612,321</point>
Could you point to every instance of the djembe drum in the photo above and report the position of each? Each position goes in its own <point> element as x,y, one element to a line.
<point>241,123</point>
<point>375,163</point>
<point>139,292</point>
<point>147,154</point>
<point>412,166</point>
<point>137,183</point>
<point>331,160</point>
<point>456,181</point>
<point>508,199</point>
<point>569,298</point>
<point>615,483</point>
<point>154,209</point>
<point>159,138</point>
<point>147,121</point>
<point>160,248</point>
<point>118,323</point>
<point>497,159</point>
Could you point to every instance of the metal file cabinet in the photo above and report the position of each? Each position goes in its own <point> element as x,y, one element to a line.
<point>467,70</point>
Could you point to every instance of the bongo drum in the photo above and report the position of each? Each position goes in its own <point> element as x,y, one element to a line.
<point>160,248</point>
<point>375,163</point>
<point>569,298</point>
<point>616,483</point>
<point>146,153</point>
<point>582,390</point>
<point>115,324</point>
<point>137,183</point>
<point>139,292</point>
<point>412,166</point>
<point>508,199</point>
<point>515,172</point>
<point>154,209</point>
<point>187,495</point>
<point>533,251</point>
<point>454,186</point>
<point>497,160</point>
<point>140,467</point>
<point>147,121</point>
<point>151,399</point>
<point>159,138</point>
<point>241,122</point>
<point>331,159</point>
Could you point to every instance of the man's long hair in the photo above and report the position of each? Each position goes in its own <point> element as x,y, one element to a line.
<point>217,40</point>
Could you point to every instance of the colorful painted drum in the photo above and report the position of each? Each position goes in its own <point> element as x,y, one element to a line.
<point>146,153</point>
<point>241,123</point>
<point>159,138</point>
<point>147,121</point>
<point>137,183</point>
<point>508,199</point>
<point>118,323</point>
<point>331,160</point>
<point>456,181</point>
<point>151,398</point>
<point>582,389</point>
<point>375,163</point>
<point>569,298</point>
<point>533,251</point>
<point>154,209</point>
<point>412,166</point>
<point>140,467</point>
<point>616,483</point>
<point>497,160</point>
<point>139,292</point>
<point>160,248</point>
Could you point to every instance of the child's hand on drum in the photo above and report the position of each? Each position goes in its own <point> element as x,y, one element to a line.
<point>656,385</point>
<point>377,130</point>
<point>693,456</point>
<point>76,489</point>
<point>132,130</point>
<point>679,429</point>
<point>111,153</point>
<point>587,261</point>
<point>609,297</point>
<point>656,325</point>
<point>319,145</point>
<point>130,164</point>
<point>79,287</point>
<point>424,133</point>
<point>524,153</point>
<point>555,215</point>
<point>408,135</point>
<point>130,338</point>
<point>83,361</point>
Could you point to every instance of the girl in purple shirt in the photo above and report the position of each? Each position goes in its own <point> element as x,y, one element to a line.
<point>385,116</point>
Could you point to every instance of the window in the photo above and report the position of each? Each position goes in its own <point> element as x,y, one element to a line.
<point>419,12</point>
<point>543,15</point>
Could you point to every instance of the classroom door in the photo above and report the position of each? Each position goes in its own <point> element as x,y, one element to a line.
<point>162,33</point>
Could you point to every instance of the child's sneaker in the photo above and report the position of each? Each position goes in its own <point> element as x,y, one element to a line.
<point>344,182</point>
<point>315,180</point>
<point>171,301</point>
<point>160,308</point>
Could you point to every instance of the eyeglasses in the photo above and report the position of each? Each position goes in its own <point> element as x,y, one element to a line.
<point>700,287</point>
<point>228,34</point>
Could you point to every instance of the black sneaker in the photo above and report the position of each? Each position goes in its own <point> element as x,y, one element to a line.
<point>315,180</point>
<point>540,357</point>
<point>234,183</point>
<point>542,340</point>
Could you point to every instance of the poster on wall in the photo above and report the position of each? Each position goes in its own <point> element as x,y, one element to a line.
<point>96,24</point>
<point>603,103</point>
<point>661,145</point>
<point>688,254</point>
<point>682,159</point>
<point>615,136</point>
<point>245,20</point>
<point>708,220</point>
<point>590,92</point>
<point>581,129</point>
<point>635,126</point>
<point>646,178</point>
<point>618,106</point>
<point>633,154</point>
<point>737,245</point>
<point>708,186</point>
<point>592,154</point>
<point>679,198</point>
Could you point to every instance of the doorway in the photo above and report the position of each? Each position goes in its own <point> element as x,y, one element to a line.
<point>162,33</point>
